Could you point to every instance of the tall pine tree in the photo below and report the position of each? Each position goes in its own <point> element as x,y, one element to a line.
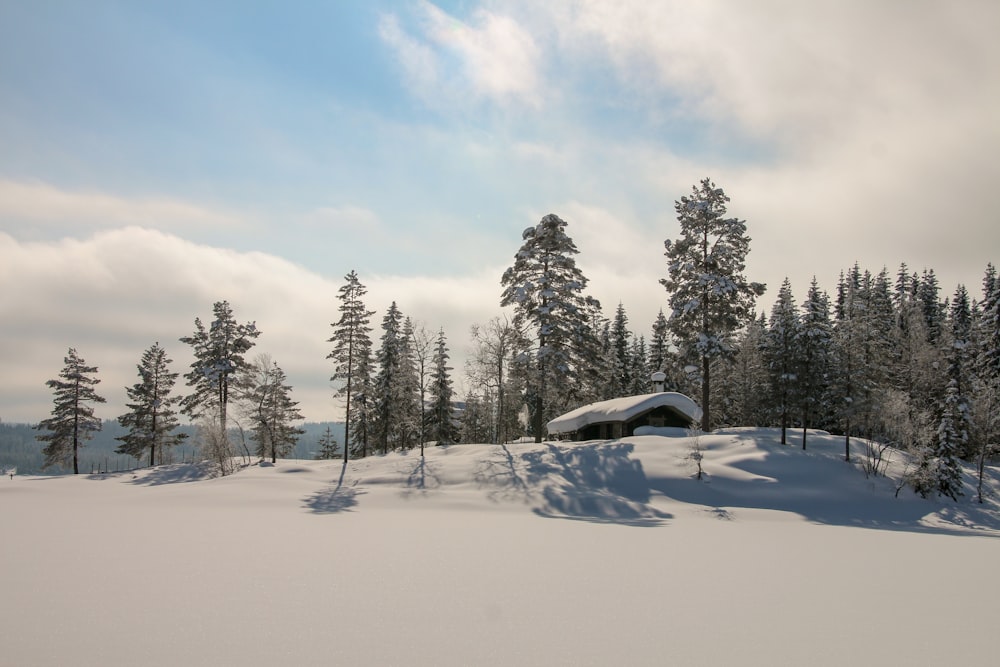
<point>546,288</point>
<point>351,357</point>
<point>219,363</point>
<point>72,422</point>
<point>151,419</point>
<point>815,356</point>
<point>442,425</point>
<point>709,295</point>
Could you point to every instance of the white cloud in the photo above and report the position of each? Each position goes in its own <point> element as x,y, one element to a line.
<point>30,204</point>
<point>114,294</point>
<point>492,57</point>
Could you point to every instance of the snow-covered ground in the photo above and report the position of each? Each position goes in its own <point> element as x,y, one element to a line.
<point>601,553</point>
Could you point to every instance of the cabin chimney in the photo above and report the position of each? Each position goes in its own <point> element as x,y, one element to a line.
<point>659,379</point>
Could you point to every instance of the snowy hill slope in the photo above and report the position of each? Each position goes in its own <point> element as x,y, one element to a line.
<point>592,553</point>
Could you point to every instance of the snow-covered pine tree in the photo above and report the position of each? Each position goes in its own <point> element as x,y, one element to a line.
<point>327,446</point>
<point>442,423</point>
<point>709,295</point>
<point>272,409</point>
<point>72,422</point>
<point>546,289</point>
<point>394,402</point>
<point>988,357</point>
<point>952,436</point>
<point>218,363</point>
<point>660,357</point>
<point>586,375</point>
<point>412,414</point>
<point>621,376</point>
<point>351,357</point>
<point>781,346</point>
<point>987,366</point>
<point>639,373</point>
<point>933,309</point>
<point>815,356</point>
<point>151,419</point>
<point>958,354</point>
<point>749,377</point>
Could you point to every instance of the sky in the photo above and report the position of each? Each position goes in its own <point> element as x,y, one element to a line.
<point>158,157</point>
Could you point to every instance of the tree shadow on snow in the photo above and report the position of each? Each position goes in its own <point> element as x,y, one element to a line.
<point>503,474</point>
<point>175,473</point>
<point>825,489</point>
<point>422,478</point>
<point>336,498</point>
<point>597,482</point>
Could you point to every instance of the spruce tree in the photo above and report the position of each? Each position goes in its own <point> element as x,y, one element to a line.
<point>660,358</point>
<point>327,446</point>
<point>351,357</point>
<point>782,353</point>
<point>952,436</point>
<point>621,377</point>
<point>546,288</point>
<point>72,422</point>
<point>219,363</point>
<point>639,373</point>
<point>709,295</point>
<point>987,367</point>
<point>151,419</point>
<point>442,425</point>
<point>749,381</point>
<point>395,401</point>
<point>815,356</point>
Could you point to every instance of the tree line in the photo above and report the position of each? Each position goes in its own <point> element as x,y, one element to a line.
<point>884,361</point>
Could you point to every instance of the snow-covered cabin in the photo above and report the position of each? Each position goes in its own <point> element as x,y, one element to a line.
<point>619,417</point>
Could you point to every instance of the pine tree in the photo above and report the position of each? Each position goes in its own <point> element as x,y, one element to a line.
<point>639,373</point>
<point>749,381</point>
<point>782,354</point>
<point>394,404</point>
<point>218,363</point>
<point>351,356</point>
<point>952,437</point>
<point>546,288</point>
<point>710,297</point>
<point>816,349</point>
<point>927,292</point>
<point>327,446</point>
<point>272,410</point>
<point>987,366</point>
<point>72,422</point>
<point>442,424</point>
<point>151,419</point>
<point>412,411</point>
<point>621,376</point>
<point>660,357</point>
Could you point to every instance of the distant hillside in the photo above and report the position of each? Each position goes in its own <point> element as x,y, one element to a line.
<point>19,449</point>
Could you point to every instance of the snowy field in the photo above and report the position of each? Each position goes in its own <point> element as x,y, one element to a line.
<point>601,553</point>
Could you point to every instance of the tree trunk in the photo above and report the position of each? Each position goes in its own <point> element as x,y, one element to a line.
<point>705,380</point>
<point>847,441</point>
